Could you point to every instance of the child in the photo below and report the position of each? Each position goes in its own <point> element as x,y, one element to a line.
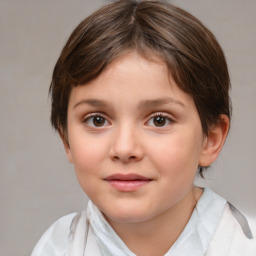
<point>140,98</point>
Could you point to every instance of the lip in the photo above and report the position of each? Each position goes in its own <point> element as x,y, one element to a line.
<point>127,182</point>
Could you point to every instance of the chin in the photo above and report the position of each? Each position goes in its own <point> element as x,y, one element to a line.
<point>132,215</point>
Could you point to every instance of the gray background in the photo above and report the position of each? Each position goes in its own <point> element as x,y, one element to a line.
<point>37,184</point>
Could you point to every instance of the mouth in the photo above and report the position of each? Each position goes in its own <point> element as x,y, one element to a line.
<point>127,182</point>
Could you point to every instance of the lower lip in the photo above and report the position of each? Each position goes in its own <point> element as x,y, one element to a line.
<point>128,185</point>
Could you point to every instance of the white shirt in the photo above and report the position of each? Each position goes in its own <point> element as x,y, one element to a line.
<point>215,228</point>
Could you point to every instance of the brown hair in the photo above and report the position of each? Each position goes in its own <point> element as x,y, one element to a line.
<point>191,52</point>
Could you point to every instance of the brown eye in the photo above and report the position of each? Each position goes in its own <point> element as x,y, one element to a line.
<point>96,121</point>
<point>159,121</point>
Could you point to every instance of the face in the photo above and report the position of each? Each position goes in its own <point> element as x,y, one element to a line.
<point>135,139</point>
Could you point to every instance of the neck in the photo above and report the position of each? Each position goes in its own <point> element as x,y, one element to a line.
<point>156,236</point>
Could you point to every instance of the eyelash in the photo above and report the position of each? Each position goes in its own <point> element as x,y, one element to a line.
<point>93,115</point>
<point>162,115</point>
<point>166,117</point>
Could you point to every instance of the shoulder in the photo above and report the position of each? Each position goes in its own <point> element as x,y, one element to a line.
<point>55,240</point>
<point>233,235</point>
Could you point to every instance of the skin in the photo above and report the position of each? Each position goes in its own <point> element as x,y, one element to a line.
<point>133,118</point>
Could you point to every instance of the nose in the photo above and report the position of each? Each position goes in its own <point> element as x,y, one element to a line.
<point>126,145</point>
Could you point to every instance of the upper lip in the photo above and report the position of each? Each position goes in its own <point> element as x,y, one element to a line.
<point>126,177</point>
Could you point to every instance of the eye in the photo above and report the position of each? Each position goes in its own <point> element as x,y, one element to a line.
<point>96,120</point>
<point>159,120</point>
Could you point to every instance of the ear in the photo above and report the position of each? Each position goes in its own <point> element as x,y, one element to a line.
<point>214,142</point>
<point>64,137</point>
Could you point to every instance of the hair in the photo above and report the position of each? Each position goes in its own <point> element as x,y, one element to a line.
<point>191,52</point>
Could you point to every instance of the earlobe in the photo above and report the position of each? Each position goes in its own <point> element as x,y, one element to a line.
<point>65,142</point>
<point>214,142</point>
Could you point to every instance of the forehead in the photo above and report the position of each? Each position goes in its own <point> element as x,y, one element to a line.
<point>132,78</point>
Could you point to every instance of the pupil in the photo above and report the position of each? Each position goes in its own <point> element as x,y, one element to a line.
<point>159,121</point>
<point>98,121</point>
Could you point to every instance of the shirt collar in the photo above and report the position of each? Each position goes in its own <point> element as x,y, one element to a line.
<point>193,241</point>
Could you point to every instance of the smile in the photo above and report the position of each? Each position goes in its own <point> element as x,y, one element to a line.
<point>127,182</point>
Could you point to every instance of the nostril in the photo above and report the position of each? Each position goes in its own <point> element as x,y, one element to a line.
<point>124,158</point>
<point>116,158</point>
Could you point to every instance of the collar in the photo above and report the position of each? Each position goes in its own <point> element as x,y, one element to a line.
<point>193,241</point>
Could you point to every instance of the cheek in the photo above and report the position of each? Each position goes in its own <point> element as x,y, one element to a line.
<point>87,154</point>
<point>88,162</point>
<point>176,161</point>
<point>176,154</point>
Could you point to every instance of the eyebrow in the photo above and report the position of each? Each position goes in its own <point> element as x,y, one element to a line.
<point>142,104</point>
<point>92,102</point>
<point>159,102</point>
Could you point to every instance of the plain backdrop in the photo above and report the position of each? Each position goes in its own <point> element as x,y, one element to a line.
<point>37,184</point>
